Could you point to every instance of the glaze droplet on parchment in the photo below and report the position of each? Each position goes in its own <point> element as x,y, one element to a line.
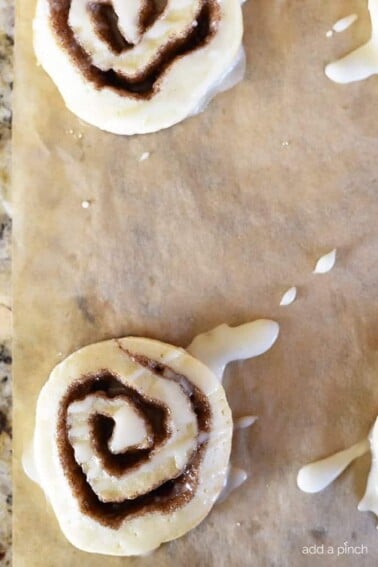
<point>289,296</point>
<point>325,263</point>
<point>144,156</point>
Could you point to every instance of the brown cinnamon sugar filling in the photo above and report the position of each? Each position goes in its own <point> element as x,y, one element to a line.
<point>105,22</point>
<point>154,414</point>
<point>146,84</point>
<point>165,498</point>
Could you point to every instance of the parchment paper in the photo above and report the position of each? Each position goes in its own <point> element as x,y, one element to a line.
<point>221,219</point>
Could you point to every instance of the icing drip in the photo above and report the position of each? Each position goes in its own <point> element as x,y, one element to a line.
<point>361,63</point>
<point>28,463</point>
<point>245,421</point>
<point>224,344</point>
<point>369,502</point>
<point>320,474</point>
<point>235,478</point>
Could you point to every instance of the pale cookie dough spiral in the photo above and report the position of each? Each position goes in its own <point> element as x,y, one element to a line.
<point>131,445</point>
<point>136,66</point>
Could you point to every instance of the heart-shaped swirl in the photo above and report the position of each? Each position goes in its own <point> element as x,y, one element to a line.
<point>132,444</point>
<point>135,66</point>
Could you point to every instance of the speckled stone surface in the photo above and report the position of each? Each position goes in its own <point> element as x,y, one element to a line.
<point>6,49</point>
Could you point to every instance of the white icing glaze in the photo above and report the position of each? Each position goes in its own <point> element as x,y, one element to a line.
<point>344,23</point>
<point>361,63</point>
<point>224,344</point>
<point>245,421</point>
<point>129,430</point>
<point>289,296</point>
<point>369,502</point>
<point>325,263</point>
<point>320,474</point>
<point>235,478</point>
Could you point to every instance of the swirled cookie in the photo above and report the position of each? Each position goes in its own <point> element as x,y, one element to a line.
<point>131,445</point>
<point>137,66</point>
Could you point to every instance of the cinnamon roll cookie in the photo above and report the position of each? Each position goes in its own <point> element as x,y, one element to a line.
<point>131,444</point>
<point>137,66</point>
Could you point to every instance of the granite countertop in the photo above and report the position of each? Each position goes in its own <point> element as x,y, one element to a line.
<point>6,49</point>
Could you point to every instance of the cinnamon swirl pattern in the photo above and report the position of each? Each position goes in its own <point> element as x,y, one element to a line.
<point>137,66</point>
<point>131,445</point>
